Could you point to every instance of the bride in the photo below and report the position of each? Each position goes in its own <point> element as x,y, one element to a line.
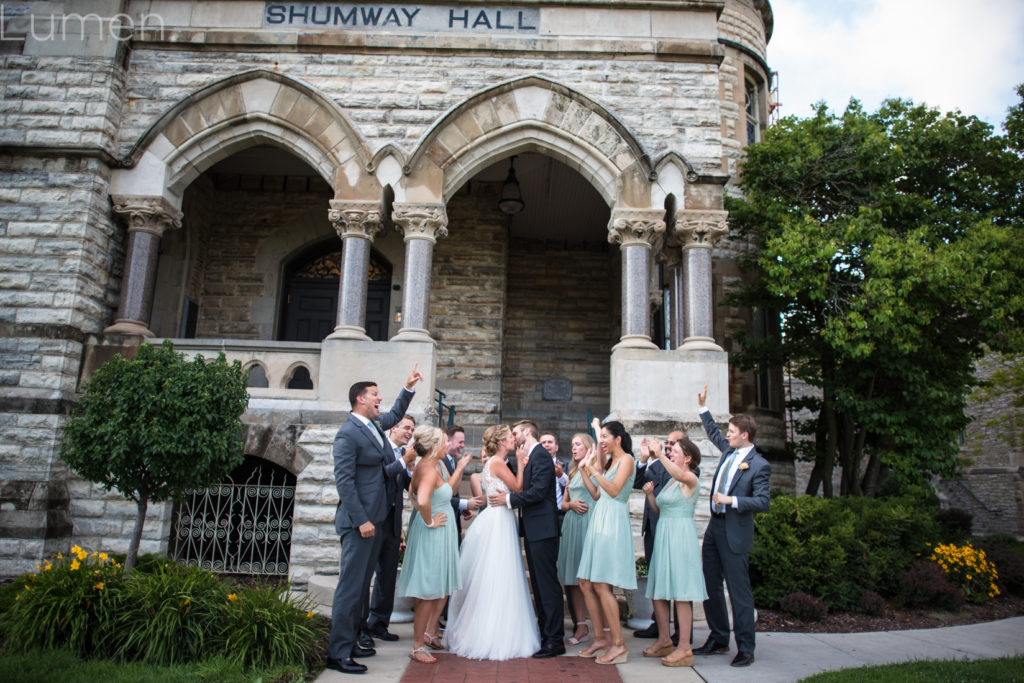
<point>491,616</point>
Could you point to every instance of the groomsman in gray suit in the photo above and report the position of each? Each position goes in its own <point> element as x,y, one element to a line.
<point>360,453</point>
<point>740,488</point>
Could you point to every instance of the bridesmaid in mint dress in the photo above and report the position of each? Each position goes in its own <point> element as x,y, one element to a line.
<point>430,568</point>
<point>577,501</point>
<point>675,572</point>
<point>607,556</point>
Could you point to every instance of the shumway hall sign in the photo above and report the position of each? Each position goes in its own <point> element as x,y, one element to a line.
<point>343,16</point>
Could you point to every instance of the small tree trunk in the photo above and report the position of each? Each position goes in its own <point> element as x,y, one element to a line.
<point>871,476</point>
<point>133,545</point>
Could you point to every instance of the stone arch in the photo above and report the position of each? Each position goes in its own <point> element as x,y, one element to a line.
<point>246,109</point>
<point>531,114</point>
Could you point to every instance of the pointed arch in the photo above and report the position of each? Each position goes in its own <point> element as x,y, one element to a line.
<point>242,110</point>
<point>536,114</point>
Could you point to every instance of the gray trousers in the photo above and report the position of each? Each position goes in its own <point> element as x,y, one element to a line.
<point>719,562</point>
<point>357,554</point>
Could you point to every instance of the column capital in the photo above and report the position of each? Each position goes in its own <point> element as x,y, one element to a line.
<point>636,227</point>
<point>355,218</point>
<point>153,215</point>
<point>421,221</point>
<point>700,227</point>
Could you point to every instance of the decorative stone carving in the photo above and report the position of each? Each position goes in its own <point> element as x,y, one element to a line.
<point>700,227</point>
<point>153,215</point>
<point>355,219</point>
<point>636,227</point>
<point>421,221</point>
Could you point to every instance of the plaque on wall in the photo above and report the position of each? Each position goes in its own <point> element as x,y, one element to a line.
<point>557,390</point>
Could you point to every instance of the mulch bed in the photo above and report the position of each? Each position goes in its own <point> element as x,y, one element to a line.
<point>893,620</point>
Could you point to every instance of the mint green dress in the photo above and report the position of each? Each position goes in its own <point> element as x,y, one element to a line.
<point>574,532</point>
<point>430,569</point>
<point>675,572</point>
<point>607,555</point>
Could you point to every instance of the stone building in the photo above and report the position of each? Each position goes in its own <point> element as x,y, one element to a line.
<point>525,199</point>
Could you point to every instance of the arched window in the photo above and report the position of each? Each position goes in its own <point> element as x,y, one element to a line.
<point>310,297</point>
<point>257,376</point>
<point>753,112</point>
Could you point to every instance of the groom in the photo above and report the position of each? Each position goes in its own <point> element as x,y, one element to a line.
<point>539,525</point>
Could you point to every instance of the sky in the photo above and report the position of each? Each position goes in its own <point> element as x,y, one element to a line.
<point>950,54</point>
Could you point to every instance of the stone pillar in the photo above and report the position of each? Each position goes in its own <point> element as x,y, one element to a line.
<point>421,224</point>
<point>637,231</point>
<point>147,219</point>
<point>698,230</point>
<point>356,223</point>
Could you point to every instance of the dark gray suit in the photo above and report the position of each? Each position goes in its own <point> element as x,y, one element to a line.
<point>365,493</point>
<point>728,541</point>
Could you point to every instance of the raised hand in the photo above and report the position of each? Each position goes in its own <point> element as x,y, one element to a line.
<point>465,459</point>
<point>414,377</point>
<point>702,396</point>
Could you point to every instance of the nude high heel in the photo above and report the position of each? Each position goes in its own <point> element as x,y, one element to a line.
<point>678,659</point>
<point>618,659</point>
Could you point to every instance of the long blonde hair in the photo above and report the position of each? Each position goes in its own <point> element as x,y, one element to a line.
<point>427,442</point>
<point>588,443</point>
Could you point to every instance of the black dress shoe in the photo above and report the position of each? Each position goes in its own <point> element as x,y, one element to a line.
<point>712,647</point>
<point>383,633</point>
<point>346,666</point>
<point>743,659</point>
<point>551,650</point>
<point>360,651</point>
<point>364,640</point>
<point>649,632</point>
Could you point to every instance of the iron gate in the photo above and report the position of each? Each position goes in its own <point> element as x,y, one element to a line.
<point>242,525</point>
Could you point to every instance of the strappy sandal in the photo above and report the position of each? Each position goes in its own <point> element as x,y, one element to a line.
<point>585,638</point>
<point>678,659</point>
<point>618,659</point>
<point>434,642</point>
<point>599,652</point>
<point>421,655</point>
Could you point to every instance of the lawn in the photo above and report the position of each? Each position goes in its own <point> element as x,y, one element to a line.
<point>1003,670</point>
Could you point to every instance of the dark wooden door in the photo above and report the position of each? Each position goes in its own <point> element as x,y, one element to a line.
<point>311,310</point>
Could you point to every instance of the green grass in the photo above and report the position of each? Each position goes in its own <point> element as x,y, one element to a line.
<point>43,666</point>
<point>1004,670</point>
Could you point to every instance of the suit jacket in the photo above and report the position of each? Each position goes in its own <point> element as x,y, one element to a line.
<point>536,502</point>
<point>359,468</point>
<point>654,472</point>
<point>750,486</point>
<point>398,480</point>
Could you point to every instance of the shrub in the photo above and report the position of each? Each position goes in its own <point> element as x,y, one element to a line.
<point>926,585</point>
<point>170,615</point>
<point>955,523</point>
<point>72,602</point>
<point>872,603</point>
<point>265,627</point>
<point>1005,552</point>
<point>641,567</point>
<point>803,606</point>
<point>968,569</point>
<point>837,548</point>
<point>174,616</point>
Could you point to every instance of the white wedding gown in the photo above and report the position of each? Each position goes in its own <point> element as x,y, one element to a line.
<point>491,616</point>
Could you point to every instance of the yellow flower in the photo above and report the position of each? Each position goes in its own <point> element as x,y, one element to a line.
<point>185,604</point>
<point>232,597</point>
<point>103,558</point>
<point>18,596</point>
<point>99,586</point>
<point>309,614</point>
<point>76,549</point>
<point>75,565</point>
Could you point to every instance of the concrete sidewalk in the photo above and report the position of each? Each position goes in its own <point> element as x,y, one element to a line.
<point>781,657</point>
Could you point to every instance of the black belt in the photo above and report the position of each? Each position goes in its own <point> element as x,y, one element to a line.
<point>718,515</point>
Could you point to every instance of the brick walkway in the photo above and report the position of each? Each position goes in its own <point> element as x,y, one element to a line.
<point>451,669</point>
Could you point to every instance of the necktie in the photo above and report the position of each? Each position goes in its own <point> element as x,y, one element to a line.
<point>723,479</point>
<point>376,433</point>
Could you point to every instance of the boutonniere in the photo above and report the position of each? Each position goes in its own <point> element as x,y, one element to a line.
<point>744,465</point>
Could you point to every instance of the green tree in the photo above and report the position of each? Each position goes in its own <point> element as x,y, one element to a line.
<point>157,425</point>
<point>890,248</point>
